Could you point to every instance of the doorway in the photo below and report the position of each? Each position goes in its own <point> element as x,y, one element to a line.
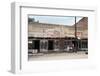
<point>36,45</point>
<point>50,44</point>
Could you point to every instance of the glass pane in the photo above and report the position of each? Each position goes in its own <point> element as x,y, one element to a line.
<point>43,46</point>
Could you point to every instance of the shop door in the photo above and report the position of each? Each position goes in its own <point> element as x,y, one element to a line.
<point>43,45</point>
<point>36,45</point>
<point>56,45</point>
<point>50,45</point>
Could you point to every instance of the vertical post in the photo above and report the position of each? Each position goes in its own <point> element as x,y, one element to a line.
<point>75,36</point>
<point>75,29</point>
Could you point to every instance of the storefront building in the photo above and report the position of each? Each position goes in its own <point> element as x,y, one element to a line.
<point>43,37</point>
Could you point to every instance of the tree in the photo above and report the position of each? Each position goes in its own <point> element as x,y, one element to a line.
<point>31,20</point>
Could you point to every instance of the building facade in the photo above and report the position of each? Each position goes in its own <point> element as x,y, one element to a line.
<point>45,37</point>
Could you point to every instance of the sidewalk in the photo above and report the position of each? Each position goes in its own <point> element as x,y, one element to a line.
<point>59,56</point>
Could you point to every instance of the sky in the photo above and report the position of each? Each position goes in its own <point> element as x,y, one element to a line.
<point>63,20</point>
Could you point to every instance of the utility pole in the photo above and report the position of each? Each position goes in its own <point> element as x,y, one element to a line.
<point>75,36</point>
<point>75,28</point>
